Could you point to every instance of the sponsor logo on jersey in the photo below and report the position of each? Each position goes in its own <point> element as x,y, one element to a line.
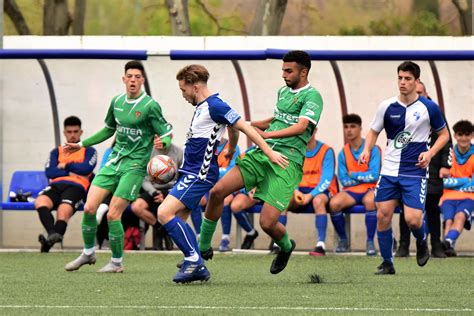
<point>286,117</point>
<point>395,115</point>
<point>129,131</point>
<point>231,116</point>
<point>402,139</point>
<point>137,114</point>
<point>295,100</point>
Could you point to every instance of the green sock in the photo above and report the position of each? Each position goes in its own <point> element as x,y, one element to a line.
<point>208,228</point>
<point>116,238</point>
<point>284,243</point>
<point>89,229</point>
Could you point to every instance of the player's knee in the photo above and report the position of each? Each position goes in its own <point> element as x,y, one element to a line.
<point>335,205</point>
<point>89,209</point>
<point>217,193</point>
<point>113,214</point>
<point>266,224</point>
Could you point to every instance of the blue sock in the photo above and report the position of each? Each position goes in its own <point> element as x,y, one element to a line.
<point>452,235</point>
<point>321,222</point>
<point>226,220</point>
<point>385,244</point>
<point>420,233</point>
<point>181,236</point>
<point>283,219</point>
<point>243,220</point>
<point>339,223</point>
<point>194,240</point>
<point>371,224</point>
<point>196,218</point>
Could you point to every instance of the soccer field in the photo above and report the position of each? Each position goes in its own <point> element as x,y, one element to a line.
<point>35,283</point>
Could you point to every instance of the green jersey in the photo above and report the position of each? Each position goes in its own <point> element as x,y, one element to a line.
<point>292,104</point>
<point>136,122</point>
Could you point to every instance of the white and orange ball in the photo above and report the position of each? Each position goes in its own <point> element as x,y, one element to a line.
<point>161,169</point>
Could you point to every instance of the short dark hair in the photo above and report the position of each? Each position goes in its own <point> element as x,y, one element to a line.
<point>135,64</point>
<point>410,67</point>
<point>463,127</point>
<point>72,121</point>
<point>300,57</point>
<point>192,74</point>
<point>352,119</point>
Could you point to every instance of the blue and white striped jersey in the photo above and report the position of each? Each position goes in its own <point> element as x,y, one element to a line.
<point>207,126</point>
<point>408,129</point>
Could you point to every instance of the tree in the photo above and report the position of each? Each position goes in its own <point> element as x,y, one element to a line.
<point>178,12</point>
<point>79,16</point>
<point>57,20</point>
<point>268,17</point>
<point>464,8</point>
<point>14,13</point>
<point>56,17</point>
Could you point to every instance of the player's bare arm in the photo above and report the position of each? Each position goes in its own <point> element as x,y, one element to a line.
<point>233,140</point>
<point>72,147</point>
<point>263,124</point>
<point>370,141</point>
<point>425,157</point>
<point>274,156</point>
<point>295,129</point>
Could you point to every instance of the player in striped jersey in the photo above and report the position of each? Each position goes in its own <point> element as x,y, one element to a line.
<point>407,120</point>
<point>200,170</point>
<point>297,112</point>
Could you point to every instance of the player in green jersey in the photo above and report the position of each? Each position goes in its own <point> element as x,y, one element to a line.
<point>296,115</point>
<point>135,118</point>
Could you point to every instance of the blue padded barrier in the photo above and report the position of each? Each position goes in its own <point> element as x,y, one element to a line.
<point>72,54</point>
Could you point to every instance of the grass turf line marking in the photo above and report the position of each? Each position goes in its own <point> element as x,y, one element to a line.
<point>295,308</point>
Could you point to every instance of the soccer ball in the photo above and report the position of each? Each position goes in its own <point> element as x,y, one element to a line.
<point>161,169</point>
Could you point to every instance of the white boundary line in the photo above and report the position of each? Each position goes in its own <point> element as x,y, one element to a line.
<point>198,307</point>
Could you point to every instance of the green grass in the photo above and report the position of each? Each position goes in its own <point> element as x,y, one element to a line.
<point>29,282</point>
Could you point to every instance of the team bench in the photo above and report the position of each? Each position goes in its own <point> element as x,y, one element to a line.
<point>308,209</point>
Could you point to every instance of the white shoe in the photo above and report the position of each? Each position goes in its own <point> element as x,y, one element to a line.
<point>80,261</point>
<point>112,267</point>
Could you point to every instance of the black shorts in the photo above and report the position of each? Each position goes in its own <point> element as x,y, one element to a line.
<point>152,205</point>
<point>66,193</point>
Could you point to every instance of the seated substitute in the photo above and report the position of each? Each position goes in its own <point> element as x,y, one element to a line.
<point>152,194</point>
<point>358,183</point>
<point>457,201</point>
<point>316,188</point>
<point>69,177</point>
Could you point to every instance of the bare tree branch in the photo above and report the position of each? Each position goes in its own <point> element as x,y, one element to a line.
<point>215,20</point>
<point>268,17</point>
<point>178,12</point>
<point>56,17</point>
<point>79,16</point>
<point>14,13</point>
<point>465,16</point>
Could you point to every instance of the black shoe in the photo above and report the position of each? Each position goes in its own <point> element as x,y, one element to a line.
<point>437,251</point>
<point>48,243</point>
<point>208,254</point>
<point>248,240</point>
<point>448,249</point>
<point>402,251</point>
<point>44,243</point>
<point>281,260</point>
<point>422,253</point>
<point>274,250</point>
<point>385,268</point>
<point>158,243</point>
<point>168,242</point>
